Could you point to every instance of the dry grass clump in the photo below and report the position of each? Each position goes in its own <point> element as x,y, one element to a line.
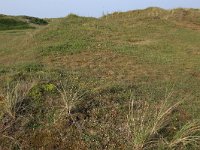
<point>147,122</point>
<point>69,97</point>
<point>12,104</point>
<point>186,135</point>
<point>14,96</point>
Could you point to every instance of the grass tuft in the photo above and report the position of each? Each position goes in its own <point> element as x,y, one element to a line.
<point>147,123</point>
<point>14,96</point>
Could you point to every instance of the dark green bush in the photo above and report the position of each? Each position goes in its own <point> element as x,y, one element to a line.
<point>35,20</point>
<point>10,24</point>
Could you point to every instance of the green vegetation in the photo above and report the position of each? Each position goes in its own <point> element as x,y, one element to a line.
<point>35,20</point>
<point>9,24</point>
<point>123,81</point>
<point>19,22</point>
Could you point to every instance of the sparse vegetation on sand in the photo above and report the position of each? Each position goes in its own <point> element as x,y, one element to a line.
<point>123,81</point>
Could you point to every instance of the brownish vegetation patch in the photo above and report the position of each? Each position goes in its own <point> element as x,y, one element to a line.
<point>102,64</point>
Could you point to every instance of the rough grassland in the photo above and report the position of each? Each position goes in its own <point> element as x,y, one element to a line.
<point>109,83</point>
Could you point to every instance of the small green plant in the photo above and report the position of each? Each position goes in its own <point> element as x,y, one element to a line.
<point>49,87</point>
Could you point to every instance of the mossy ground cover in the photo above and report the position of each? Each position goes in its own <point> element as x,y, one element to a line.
<point>80,75</point>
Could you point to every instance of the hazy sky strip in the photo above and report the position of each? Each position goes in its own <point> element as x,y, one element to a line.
<point>95,8</point>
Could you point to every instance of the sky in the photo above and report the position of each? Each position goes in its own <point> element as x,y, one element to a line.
<point>94,8</point>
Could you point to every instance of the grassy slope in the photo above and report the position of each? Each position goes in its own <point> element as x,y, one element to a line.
<point>147,52</point>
